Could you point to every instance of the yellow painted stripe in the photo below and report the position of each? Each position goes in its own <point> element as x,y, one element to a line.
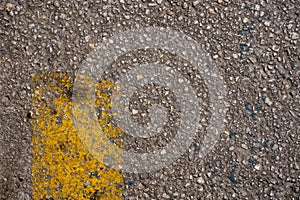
<point>62,168</point>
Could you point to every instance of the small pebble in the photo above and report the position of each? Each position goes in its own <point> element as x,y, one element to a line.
<point>235,56</point>
<point>139,77</point>
<point>180,80</point>
<point>163,152</point>
<point>267,23</point>
<point>245,20</point>
<point>91,45</point>
<point>257,167</point>
<point>134,112</point>
<point>295,35</point>
<point>195,3</point>
<point>56,4</point>
<point>268,101</point>
<point>212,11</point>
<point>257,7</point>
<point>165,196</point>
<point>159,1</point>
<point>185,5</point>
<point>9,6</point>
<point>275,48</point>
<point>169,12</point>
<point>200,180</point>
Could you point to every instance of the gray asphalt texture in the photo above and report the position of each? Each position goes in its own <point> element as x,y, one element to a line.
<point>256,46</point>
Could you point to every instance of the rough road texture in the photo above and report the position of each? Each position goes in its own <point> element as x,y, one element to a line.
<point>255,45</point>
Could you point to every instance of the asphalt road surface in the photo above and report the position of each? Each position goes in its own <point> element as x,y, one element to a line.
<point>255,46</point>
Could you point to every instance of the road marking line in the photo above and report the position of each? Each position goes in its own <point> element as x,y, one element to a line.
<point>62,168</point>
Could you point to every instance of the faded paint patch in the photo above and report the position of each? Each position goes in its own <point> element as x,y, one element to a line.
<point>62,168</point>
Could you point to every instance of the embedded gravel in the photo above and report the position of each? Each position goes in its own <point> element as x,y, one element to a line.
<point>256,46</point>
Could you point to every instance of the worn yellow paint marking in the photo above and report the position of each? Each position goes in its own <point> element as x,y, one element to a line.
<point>62,168</point>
